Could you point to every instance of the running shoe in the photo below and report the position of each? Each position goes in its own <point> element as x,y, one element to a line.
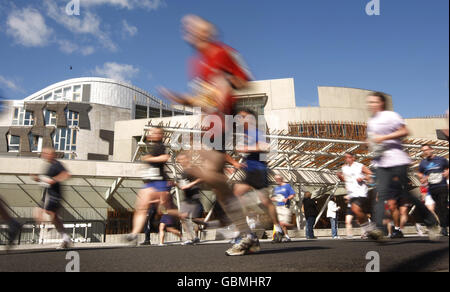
<point>286,239</point>
<point>277,237</point>
<point>434,233</point>
<point>65,244</point>
<point>397,234</point>
<point>196,240</point>
<point>246,246</point>
<point>444,232</point>
<point>145,243</point>
<point>131,239</point>
<point>376,234</point>
<point>188,242</point>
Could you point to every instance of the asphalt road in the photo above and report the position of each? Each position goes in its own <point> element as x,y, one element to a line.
<point>403,255</point>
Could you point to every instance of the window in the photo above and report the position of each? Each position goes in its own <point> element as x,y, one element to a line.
<point>57,95</point>
<point>22,117</point>
<point>48,96</point>
<point>49,118</point>
<point>77,93</point>
<point>256,104</point>
<point>65,139</point>
<point>14,143</point>
<point>67,93</point>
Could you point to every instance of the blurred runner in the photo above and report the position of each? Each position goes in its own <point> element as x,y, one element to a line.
<point>168,223</point>
<point>356,176</point>
<point>433,171</point>
<point>385,132</point>
<point>51,201</point>
<point>255,168</point>
<point>191,205</point>
<point>156,188</point>
<point>283,194</point>
<point>216,71</point>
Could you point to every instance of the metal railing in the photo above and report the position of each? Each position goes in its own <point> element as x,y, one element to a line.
<point>41,228</point>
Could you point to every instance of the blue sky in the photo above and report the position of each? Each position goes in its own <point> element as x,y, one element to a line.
<point>403,52</point>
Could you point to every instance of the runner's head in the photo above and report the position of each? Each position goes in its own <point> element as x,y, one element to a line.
<point>279,179</point>
<point>155,135</point>
<point>428,151</point>
<point>184,158</point>
<point>349,158</point>
<point>376,102</point>
<point>197,31</point>
<point>248,118</point>
<point>308,195</point>
<point>48,154</point>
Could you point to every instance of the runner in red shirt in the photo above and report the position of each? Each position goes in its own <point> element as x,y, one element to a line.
<point>215,71</point>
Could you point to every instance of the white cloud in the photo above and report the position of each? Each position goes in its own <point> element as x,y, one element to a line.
<point>129,30</point>
<point>120,72</point>
<point>10,84</point>
<point>85,51</point>
<point>129,4</point>
<point>86,24</point>
<point>28,28</point>
<point>67,47</point>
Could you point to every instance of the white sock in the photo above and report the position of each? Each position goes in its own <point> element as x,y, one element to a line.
<point>287,236</point>
<point>66,237</point>
<point>278,228</point>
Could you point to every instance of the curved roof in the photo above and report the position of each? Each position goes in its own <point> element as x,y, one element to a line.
<point>90,80</point>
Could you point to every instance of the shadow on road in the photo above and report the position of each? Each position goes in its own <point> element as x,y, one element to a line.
<point>421,262</point>
<point>54,250</point>
<point>290,249</point>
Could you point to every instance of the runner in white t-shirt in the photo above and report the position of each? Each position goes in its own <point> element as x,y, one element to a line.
<point>356,175</point>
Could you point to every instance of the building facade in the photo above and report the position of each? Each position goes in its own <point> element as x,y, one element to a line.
<point>76,117</point>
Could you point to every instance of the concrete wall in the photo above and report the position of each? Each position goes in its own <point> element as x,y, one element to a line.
<point>426,128</point>
<point>125,131</point>
<point>102,117</point>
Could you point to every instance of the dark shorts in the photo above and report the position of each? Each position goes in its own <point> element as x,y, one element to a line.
<point>257,179</point>
<point>158,185</point>
<point>168,220</point>
<point>361,202</point>
<point>401,199</point>
<point>349,212</point>
<point>51,201</point>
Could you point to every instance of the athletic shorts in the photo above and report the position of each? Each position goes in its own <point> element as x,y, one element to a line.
<point>51,201</point>
<point>193,208</point>
<point>349,212</point>
<point>429,200</point>
<point>257,179</point>
<point>158,185</point>
<point>361,202</point>
<point>168,220</point>
<point>284,214</point>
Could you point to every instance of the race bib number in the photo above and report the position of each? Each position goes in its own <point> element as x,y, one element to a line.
<point>151,174</point>
<point>279,198</point>
<point>435,178</point>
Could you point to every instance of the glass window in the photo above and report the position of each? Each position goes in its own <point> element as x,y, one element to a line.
<point>66,93</point>
<point>77,93</point>
<point>22,117</point>
<point>57,95</point>
<point>14,143</point>
<point>48,96</point>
